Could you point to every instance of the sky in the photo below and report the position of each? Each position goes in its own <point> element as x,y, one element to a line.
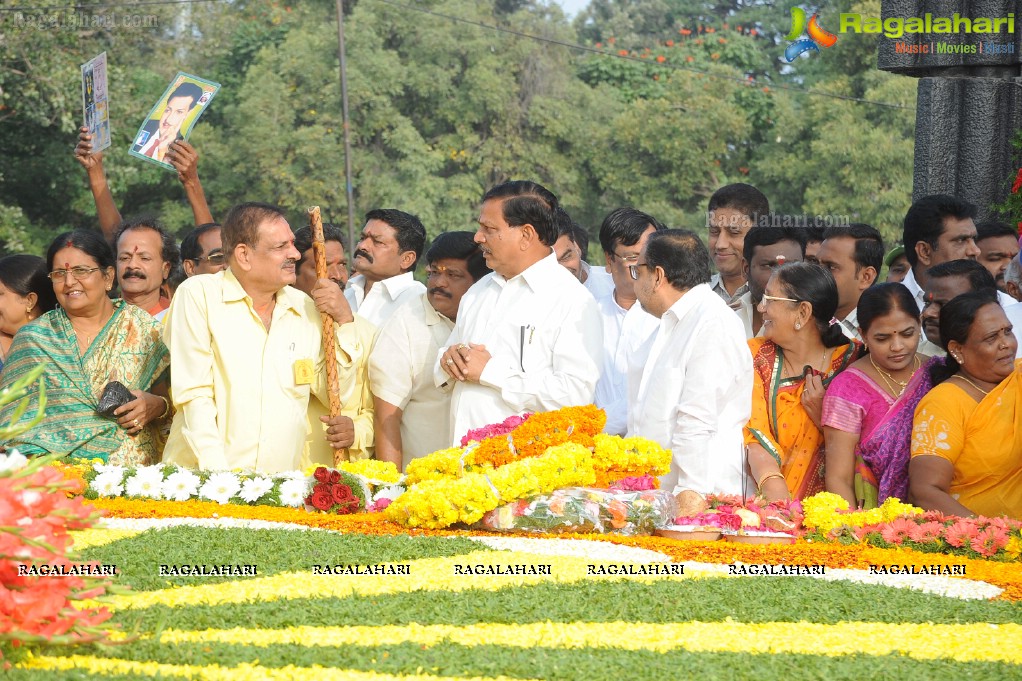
<point>572,7</point>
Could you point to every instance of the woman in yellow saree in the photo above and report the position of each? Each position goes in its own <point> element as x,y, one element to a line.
<point>967,433</point>
<point>801,350</point>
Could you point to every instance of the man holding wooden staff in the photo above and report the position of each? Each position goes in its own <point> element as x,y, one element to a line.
<point>249,352</point>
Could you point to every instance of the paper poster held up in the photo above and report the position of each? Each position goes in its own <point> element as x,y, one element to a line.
<point>173,117</point>
<point>95,106</point>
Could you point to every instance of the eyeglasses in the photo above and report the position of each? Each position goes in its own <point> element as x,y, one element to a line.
<point>787,300</point>
<point>213,258</point>
<point>626,258</point>
<point>633,270</point>
<point>77,273</point>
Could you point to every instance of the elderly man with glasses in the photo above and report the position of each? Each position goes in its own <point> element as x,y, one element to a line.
<point>691,391</point>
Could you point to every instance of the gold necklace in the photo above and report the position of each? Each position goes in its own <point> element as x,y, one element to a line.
<point>985,392</point>
<point>823,364</point>
<point>890,380</point>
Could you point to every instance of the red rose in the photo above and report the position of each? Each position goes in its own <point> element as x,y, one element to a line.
<point>335,477</point>
<point>321,474</point>
<point>347,507</point>
<point>1018,182</point>
<point>341,493</point>
<point>322,501</point>
<point>322,487</point>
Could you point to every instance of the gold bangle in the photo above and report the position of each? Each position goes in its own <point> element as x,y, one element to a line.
<point>766,477</point>
<point>166,408</point>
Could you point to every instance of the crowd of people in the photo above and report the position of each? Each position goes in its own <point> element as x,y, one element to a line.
<point>789,370</point>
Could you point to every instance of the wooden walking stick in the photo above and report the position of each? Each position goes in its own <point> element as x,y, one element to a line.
<point>333,382</point>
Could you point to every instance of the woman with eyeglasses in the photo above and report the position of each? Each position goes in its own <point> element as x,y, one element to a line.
<point>867,411</point>
<point>967,437</point>
<point>801,349</point>
<point>25,294</point>
<point>87,342</point>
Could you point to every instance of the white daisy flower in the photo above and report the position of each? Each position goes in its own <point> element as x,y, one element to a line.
<point>220,487</point>
<point>293,492</point>
<point>103,468</point>
<point>147,482</point>
<point>181,485</point>
<point>253,489</point>
<point>108,484</point>
<point>293,475</point>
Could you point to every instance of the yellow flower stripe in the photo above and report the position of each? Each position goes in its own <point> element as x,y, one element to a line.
<point>961,642</point>
<point>431,574</point>
<point>384,471</point>
<point>215,672</point>
<point>85,539</point>
<point>821,512</point>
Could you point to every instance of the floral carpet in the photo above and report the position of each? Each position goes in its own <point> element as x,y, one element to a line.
<point>287,594</point>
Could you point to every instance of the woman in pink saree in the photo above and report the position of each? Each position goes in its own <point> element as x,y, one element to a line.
<point>868,408</point>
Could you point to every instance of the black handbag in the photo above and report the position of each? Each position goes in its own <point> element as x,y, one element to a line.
<point>115,394</point>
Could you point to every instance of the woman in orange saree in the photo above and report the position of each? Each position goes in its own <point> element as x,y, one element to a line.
<point>801,351</point>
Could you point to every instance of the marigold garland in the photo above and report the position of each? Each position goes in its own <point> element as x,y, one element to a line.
<point>440,503</point>
<point>538,433</point>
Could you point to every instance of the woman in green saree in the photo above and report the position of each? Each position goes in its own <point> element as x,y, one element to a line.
<point>88,341</point>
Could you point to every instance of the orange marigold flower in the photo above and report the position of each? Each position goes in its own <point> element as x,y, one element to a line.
<point>669,43</point>
<point>690,59</point>
<point>685,31</point>
<point>715,55</point>
<point>622,53</point>
<point>661,58</point>
<point>698,41</point>
<point>599,44</point>
<point>722,41</point>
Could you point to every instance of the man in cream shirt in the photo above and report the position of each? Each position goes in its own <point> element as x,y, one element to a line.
<point>385,258</point>
<point>249,352</point>
<point>528,336</point>
<point>693,394</point>
<point>412,414</point>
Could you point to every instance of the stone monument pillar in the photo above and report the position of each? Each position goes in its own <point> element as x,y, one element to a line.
<point>970,98</point>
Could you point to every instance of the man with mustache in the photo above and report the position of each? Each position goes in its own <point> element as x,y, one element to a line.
<point>247,351</point>
<point>944,282</point>
<point>356,420</point>
<point>528,336</point>
<point>385,258</point>
<point>146,253</point>
<point>411,414</point>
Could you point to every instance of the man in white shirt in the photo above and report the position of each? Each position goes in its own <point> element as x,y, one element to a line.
<point>694,393</point>
<point>384,259</point>
<point>412,414</point>
<point>733,210</point>
<point>248,352</point>
<point>626,326</point>
<point>571,249</point>
<point>528,337</point>
<point>854,254</point>
<point>765,249</point>
<point>937,229</point>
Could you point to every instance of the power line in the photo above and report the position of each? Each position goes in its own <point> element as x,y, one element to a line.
<point>103,5</point>
<point>676,67</point>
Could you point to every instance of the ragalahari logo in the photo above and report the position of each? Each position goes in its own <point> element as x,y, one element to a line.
<point>818,37</point>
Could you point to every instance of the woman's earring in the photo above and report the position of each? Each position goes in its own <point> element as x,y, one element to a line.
<point>798,325</point>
